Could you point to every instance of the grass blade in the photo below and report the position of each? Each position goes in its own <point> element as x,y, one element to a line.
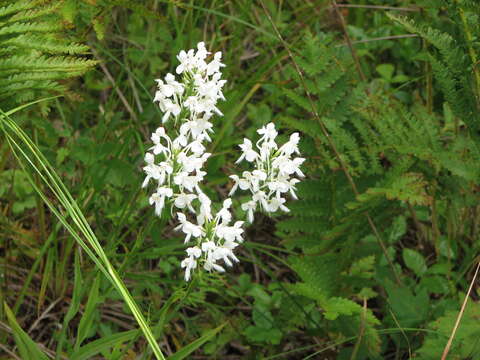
<point>91,349</point>
<point>26,346</point>
<point>25,150</point>
<point>194,345</point>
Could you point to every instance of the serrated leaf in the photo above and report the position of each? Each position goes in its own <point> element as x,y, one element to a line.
<point>414,261</point>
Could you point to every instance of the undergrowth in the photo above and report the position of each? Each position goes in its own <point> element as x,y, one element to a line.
<point>373,261</point>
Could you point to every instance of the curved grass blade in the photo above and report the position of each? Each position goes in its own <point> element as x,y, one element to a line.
<point>194,345</point>
<point>93,348</point>
<point>25,150</point>
<point>26,346</point>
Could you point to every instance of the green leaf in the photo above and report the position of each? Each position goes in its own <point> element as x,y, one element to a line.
<point>386,71</point>
<point>409,309</point>
<point>414,261</point>
<point>263,335</point>
<point>26,346</point>
<point>86,322</point>
<point>465,345</point>
<point>187,350</point>
<point>398,229</point>
<point>91,349</point>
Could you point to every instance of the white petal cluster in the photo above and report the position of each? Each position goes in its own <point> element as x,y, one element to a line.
<point>195,98</point>
<point>175,164</point>
<point>273,177</point>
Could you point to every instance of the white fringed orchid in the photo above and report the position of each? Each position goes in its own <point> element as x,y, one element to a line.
<point>175,164</point>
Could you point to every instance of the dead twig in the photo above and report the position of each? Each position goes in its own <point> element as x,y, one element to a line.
<point>393,37</point>
<point>460,315</point>
<point>378,7</point>
<point>349,41</point>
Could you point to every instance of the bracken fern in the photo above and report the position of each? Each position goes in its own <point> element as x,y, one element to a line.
<point>35,54</point>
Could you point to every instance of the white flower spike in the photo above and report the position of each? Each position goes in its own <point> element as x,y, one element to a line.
<point>175,163</point>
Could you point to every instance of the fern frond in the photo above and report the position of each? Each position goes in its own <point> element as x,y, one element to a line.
<point>64,64</point>
<point>16,6</point>
<point>29,14</point>
<point>51,46</point>
<point>18,28</point>
<point>31,43</point>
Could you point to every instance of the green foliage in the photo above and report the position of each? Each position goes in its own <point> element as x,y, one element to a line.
<point>312,283</point>
<point>465,344</point>
<point>404,158</point>
<point>34,53</point>
<point>26,346</point>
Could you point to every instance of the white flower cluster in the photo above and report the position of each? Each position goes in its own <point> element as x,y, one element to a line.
<point>175,164</point>
<point>273,174</point>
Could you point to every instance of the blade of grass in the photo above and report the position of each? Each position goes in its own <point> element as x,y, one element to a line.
<point>86,321</point>
<point>92,246</point>
<point>194,345</point>
<point>26,346</point>
<point>93,348</point>
<point>74,303</point>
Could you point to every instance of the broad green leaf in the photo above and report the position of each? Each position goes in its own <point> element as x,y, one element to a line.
<point>386,71</point>
<point>414,261</point>
<point>408,309</point>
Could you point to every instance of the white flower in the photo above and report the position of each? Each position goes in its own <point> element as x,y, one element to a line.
<point>189,264</point>
<point>292,183</point>
<point>199,127</point>
<point>186,61</point>
<point>247,152</point>
<point>205,208</point>
<point>189,182</point>
<point>279,186</point>
<point>224,214</point>
<point>291,146</point>
<point>242,183</point>
<point>210,264</point>
<point>215,65</point>
<point>158,198</point>
<point>177,87</point>
<point>169,107</point>
<point>208,246</point>
<point>168,88</point>
<point>157,136</point>
<point>188,228</point>
<point>254,179</point>
<point>261,197</point>
<point>250,208</point>
<point>268,132</point>
<point>194,252</point>
<point>151,169</point>
<point>185,200</point>
<point>275,204</point>
<point>233,233</point>
<point>289,167</point>
<point>224,254</point>
<point>180,142</point>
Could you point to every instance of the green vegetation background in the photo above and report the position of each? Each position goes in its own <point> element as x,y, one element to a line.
<point>373,262</point>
